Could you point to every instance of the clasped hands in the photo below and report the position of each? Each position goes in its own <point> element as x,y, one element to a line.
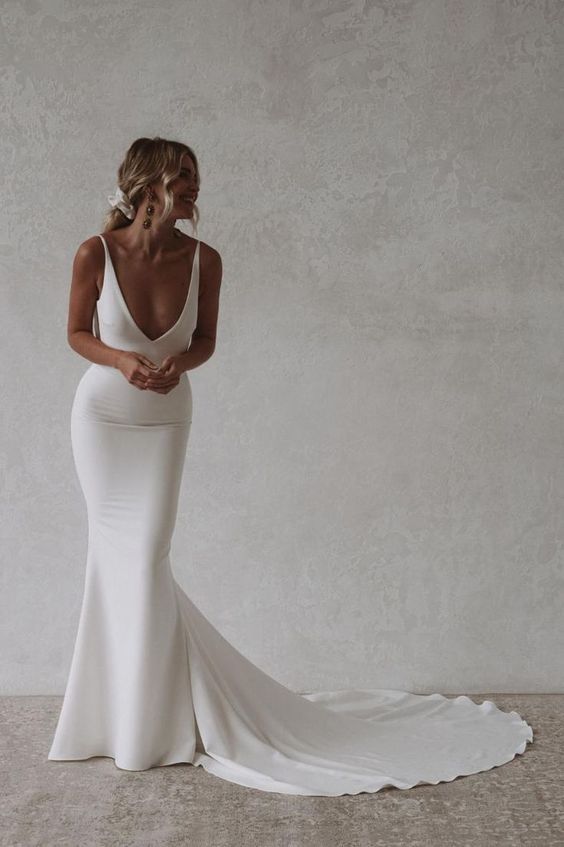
<point>164,377</point>
<point>144,374</point>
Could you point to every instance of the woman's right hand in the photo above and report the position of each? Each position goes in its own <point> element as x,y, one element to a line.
<point>135,367</point>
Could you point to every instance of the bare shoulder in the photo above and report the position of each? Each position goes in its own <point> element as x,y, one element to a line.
<point>211,268</point>
<point>211,265</point>
<point>207,252</point>
<point>89,249</point>
<point>88,262</point>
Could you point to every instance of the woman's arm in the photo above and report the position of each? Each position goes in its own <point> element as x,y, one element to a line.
<point>204,337</point>
<point>86,273</point>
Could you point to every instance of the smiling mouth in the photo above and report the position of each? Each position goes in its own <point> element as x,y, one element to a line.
<point>188,199</point>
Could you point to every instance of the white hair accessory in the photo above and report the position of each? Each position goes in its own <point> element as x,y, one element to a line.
<point>122,202</point>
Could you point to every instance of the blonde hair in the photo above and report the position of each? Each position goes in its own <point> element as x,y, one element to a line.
<point>150,160</point>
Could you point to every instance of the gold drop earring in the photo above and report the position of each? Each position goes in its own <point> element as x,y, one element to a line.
<point>150,208</point>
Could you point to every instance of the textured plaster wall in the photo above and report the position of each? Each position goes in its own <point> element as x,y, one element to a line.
<point>373,490</point>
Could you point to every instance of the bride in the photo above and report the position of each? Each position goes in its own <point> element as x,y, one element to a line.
<point>151,681</point>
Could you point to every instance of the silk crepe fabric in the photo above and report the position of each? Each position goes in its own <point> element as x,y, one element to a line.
<point>152,682</point>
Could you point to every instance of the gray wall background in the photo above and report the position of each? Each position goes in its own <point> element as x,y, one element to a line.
<point>373,490</point>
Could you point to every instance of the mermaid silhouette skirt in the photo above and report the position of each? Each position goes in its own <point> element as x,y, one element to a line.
<point>152,682</point>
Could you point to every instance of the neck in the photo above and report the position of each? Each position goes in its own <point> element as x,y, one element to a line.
<point>154,239</point>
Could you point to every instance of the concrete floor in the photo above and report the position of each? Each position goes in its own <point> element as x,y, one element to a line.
<point>92,803</point>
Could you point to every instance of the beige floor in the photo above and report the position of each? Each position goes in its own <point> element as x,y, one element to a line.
<point>93,803</point>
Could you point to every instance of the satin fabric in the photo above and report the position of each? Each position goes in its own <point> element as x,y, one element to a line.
<point>152,682</point>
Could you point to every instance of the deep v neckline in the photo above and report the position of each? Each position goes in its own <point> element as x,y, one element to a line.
<point>126,307</point>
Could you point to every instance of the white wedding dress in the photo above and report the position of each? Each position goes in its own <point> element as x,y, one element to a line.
<point>152,682</point>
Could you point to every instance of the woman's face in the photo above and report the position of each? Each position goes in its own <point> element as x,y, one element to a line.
<point>185,189</point>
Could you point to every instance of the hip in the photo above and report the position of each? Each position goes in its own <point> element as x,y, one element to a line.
<point>103,394</point>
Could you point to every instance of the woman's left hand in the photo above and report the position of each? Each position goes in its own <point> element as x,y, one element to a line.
<point>166,377</point>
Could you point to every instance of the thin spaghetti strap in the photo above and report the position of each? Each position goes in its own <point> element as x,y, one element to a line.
<point>104,274</point>
<point>95,318</point>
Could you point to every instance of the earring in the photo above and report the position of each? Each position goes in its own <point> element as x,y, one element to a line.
<point>150,208</point>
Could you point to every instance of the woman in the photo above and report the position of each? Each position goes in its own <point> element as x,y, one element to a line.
<point>152,682</point>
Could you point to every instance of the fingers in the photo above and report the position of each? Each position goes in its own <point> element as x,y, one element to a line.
<point>158,377</point>
<point>144,371</point>
<point>139,382</point>
<point>145,367</point>
<point>141,372</point>
<point>149,376</point>
<point>161,378</point>
<point>168,384</point>
<point>163,387</point>
<point>152,384</point>
<point>140,377</point>
<point>147,361</point>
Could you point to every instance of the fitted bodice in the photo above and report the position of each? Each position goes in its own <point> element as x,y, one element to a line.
<point>114,325</point>
<point>103,394</point>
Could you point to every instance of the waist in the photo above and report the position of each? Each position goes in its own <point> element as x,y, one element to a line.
<point>103,394</point>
